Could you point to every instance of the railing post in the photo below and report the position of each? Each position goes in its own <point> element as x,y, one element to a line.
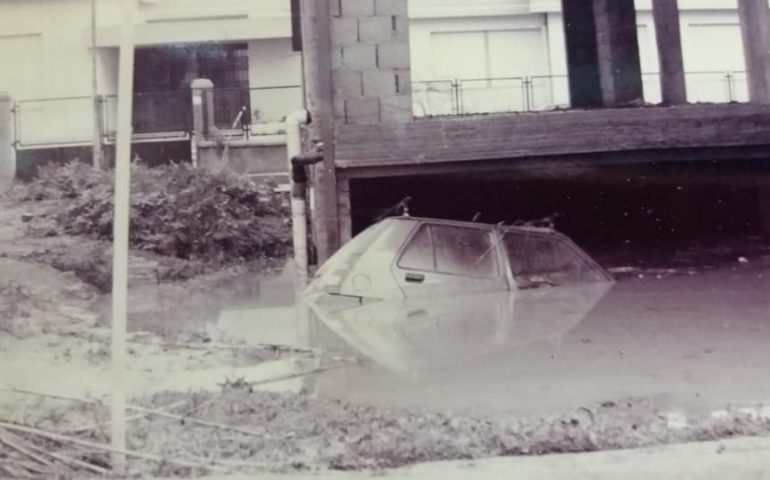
<point>98,151</point>
<point>528,93</point>
<point>729,80</point>
<point>458,96</point>
<point>7,142</point>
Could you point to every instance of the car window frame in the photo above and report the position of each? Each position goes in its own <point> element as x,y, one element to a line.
<point>502,265</point>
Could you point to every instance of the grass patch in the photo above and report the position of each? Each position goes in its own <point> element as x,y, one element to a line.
<point>289,432</point>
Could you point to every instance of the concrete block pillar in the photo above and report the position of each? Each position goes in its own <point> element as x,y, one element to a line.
<point>669,41</point>
<point>618,50</point>
<point>7,152</point>
<point>582,55</point>
<point>371,73</point>
<point>755,27</point>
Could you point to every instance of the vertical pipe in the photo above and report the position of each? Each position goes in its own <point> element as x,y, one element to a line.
<point>97,149</point>
<point>298,202</point>
<point>120,235</point>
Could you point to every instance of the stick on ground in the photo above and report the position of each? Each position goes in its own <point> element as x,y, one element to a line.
<point>129,453</point>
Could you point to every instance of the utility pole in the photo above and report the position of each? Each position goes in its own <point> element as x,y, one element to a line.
<point>97,150</point>
<point>120,235</point>
<point>316,61</point>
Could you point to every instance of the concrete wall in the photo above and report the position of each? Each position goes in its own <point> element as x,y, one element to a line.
<point>272,63</point>
<point>245,159</point>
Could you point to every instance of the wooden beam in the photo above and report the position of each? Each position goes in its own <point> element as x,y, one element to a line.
<point>582,55</point>
<point>669,41</point>
<point>618,47</point>
<point>490,137</point>
<point>755,27</point>
<point>316,55</point>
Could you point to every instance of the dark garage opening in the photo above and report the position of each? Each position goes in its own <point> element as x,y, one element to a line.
<point>622,208</point>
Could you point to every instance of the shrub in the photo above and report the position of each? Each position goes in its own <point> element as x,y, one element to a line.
<point>176,210</point>
<point>63,181</point>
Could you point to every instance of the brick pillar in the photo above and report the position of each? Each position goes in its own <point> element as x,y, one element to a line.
<point>669,40</point>
<point>755,26</point>
<point>618,48</point>
<point>582,56</point>
<point>7,153</point>
<point>370,61</point>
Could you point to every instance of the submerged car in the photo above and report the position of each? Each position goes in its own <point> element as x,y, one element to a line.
<point>411,293</point>
<point>408,257</point>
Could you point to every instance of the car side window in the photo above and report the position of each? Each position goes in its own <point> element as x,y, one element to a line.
<point>418,255</point>
<point>452,250</point>
<point>464,251</point>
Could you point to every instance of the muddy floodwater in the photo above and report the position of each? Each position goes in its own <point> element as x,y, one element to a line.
<point>692,341</point>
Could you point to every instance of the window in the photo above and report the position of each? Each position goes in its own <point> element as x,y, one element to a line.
<point>452,250</point>
<point>538,259</point>
<point>419,254</point>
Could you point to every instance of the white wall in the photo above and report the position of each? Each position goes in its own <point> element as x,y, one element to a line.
<point>272,63</point>
<point>45,52</point>
<point>498,32</point>
<point>470,51</point>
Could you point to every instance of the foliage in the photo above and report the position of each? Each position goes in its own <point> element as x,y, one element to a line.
<point>176,210</point>
<point>63,181</point>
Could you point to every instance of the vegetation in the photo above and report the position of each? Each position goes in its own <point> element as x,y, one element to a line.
<point>176,211</point>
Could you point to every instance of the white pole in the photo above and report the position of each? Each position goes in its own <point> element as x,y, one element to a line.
<point>120,234</point>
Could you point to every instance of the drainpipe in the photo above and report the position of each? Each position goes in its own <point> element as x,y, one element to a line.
<point>294,123</point>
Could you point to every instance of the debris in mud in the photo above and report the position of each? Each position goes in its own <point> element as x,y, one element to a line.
<point>242,430</point>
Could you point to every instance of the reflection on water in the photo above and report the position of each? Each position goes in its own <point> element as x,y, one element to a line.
<point>195,307</point>
<point>427,333</point>
<point>412,334</point>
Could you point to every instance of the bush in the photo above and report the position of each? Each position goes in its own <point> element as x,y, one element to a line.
<point>63,181</point>
<point>176,210</point>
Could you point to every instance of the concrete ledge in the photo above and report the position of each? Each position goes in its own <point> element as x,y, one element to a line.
<point>546,134</point>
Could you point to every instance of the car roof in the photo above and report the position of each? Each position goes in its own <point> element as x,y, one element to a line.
<point>460,223</point>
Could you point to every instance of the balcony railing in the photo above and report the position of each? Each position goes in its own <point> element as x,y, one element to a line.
<point>238,108</point>
<point>160,112</point>
<point>548,92</point>
<point>47,121</point>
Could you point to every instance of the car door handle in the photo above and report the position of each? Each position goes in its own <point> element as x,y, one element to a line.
<point>415,277</point>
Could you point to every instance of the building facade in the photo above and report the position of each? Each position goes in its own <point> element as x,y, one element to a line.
<point>507,56</point>
<point>61,68</point>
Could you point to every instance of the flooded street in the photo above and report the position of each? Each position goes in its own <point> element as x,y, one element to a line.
<point>691,342</point>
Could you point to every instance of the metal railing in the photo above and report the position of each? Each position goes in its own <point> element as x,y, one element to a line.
<point>547,92</point>
<point>242,107</point>
<point>163,111</point>
<point>43,122</point>
<point>54,121</point>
